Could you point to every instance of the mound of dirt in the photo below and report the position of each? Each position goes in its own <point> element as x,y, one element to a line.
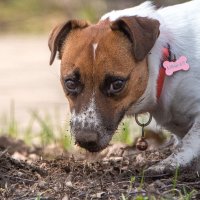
<point>116,173</point>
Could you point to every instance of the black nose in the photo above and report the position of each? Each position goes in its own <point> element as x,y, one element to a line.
<point>90,146</point>
<point>88,140</point>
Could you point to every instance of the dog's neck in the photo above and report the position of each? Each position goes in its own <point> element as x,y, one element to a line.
<point>161,77</point>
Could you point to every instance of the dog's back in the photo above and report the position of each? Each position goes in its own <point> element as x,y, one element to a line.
<point>182,26</point>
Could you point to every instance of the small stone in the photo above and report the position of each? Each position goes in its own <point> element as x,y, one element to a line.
<point>18,156</point>
<point>33,157</point>
<point>57,187</point>
<point>69,184</point>
<point>100,194</point>
<point>19,174</point>
<point>42,184</point>
<point>65,197</point>
<point>43,165</point>
<point>116,159</point>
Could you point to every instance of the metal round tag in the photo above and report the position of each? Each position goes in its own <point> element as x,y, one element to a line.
<point>143,124</point>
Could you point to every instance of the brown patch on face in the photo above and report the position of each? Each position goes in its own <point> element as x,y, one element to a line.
<point>98,56</point>
<point>113,56</point>
<point>141,31</point>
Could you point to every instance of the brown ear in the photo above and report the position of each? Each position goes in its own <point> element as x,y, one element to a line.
<point>59,33</point>
<point>141,31</point>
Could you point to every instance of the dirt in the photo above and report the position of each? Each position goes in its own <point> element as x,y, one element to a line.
<point>36,173</point>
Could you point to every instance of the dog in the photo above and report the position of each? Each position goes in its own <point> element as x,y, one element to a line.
<point>133,61</point>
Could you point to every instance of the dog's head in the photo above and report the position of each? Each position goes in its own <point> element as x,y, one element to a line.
<point>103,72</point>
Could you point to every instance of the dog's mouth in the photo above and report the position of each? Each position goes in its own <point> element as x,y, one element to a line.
<point>91,146</point>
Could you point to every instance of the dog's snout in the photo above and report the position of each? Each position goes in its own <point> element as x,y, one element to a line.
<point>88,140</point>
<point>91,143</point>
<point>87,136</point>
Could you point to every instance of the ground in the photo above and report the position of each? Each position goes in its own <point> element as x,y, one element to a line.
<point>115,173</point>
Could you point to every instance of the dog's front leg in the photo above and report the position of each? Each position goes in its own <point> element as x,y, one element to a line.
<point>186,154</point>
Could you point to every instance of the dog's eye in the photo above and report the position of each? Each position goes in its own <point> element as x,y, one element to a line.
<point>72,86</point>
<point>113,85</point>
<point>116,86</point>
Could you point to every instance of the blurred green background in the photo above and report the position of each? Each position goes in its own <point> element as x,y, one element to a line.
<point>38,16</point>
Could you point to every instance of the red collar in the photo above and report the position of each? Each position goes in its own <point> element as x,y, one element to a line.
<point>161,76</point>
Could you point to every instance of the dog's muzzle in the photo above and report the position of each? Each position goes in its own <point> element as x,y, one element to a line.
<point>89,130</point>
<point>91,140</point>
<point>88,139</point>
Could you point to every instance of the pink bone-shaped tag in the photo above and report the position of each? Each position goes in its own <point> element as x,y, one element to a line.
<point>180,64</point>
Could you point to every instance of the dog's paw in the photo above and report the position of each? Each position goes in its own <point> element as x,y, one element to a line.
<point>167,166</point>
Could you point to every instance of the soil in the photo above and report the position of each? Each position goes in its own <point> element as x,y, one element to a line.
<point>115,173</point>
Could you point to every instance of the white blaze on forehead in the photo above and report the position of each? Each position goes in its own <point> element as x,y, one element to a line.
<point>94,49</point>
<point>88,117</point>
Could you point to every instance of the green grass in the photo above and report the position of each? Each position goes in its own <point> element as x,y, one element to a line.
<point>12,126</point>
<point>46,129</point>
<point>24,16</point>
<point>38,197</point>
<point>36,16</point>
<point>42,129</point>
<point>50,130</point>
<point>175,177</point>
<point>140,192</point>
<point>127,132</point>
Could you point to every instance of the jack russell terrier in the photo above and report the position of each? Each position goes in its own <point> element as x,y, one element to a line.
<point>133,61</point>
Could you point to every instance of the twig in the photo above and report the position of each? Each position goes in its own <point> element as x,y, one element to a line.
<point>40,198</point>
<point>24,165</point>
<point>18,178</point>
<point>153,176</point>
<point>150,176</point>
<point>146,193</point>
<point>181,184</point>
<point>3,152</point>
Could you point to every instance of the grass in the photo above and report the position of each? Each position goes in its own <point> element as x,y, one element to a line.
<point>38,197</point>
<point>140,192</point>
<point>50,130</point>
<point>175,177</point>
<point>35,16</point>
<point>127,132</point>
<point>12,126</point>
<point>41,129</point>
<point>28,16</point>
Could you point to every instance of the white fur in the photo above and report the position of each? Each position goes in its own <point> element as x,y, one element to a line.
<point>95,45</point>
<point>178,108</point>
<point>143,10</point>
<point>89,120</point>
<point>88,117</point>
